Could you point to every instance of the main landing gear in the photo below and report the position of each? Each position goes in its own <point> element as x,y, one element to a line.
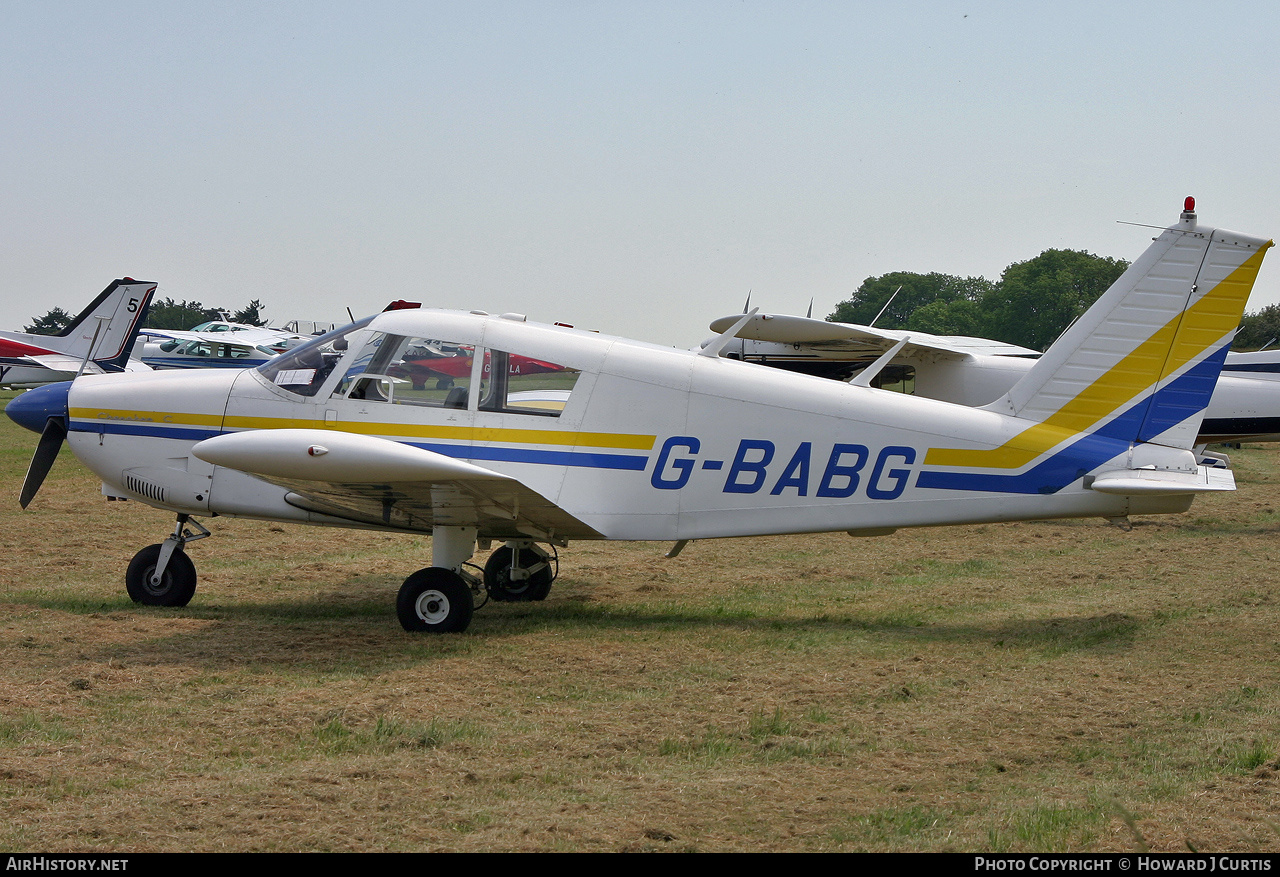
<point>438,599</point>
<point>520,571</point>
<point>442,597</point>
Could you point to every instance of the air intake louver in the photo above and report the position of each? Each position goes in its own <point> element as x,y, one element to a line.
<point>134,484</point>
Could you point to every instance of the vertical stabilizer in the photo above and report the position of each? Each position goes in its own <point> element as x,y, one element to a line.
<point>1144,359</point>
<point>109,325</point>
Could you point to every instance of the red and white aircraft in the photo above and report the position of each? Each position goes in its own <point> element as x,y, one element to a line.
<point>98,341</point>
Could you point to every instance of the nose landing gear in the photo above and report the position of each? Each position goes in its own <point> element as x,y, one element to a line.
<point>162,574</point>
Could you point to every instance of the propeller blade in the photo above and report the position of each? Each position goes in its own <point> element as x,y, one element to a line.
<point>42,460</point>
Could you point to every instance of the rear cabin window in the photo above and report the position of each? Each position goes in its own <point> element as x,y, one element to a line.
<point>899,378</point>
<point>517,384</point>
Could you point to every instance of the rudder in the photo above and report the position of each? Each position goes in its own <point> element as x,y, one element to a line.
<point>1145,358</point>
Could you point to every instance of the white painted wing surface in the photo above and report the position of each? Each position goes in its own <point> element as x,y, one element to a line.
<point>786,329</point>
<point>61,362</point>
<point>385,483</point>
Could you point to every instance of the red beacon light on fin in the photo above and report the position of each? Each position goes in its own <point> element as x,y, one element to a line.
<point>402,305</point>
<point>1188,219</point>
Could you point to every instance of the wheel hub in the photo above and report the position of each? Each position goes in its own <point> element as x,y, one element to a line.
<point>432,607</point>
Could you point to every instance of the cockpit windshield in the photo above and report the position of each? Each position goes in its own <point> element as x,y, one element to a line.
<point>303,369</point>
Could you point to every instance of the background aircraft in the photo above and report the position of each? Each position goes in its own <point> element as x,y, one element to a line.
<point>975,371</point>
<point>104,333</point>
<point>446,366</point>
<point>215,344</point>
<point>652,443</point>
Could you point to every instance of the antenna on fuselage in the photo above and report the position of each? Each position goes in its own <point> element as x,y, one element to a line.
<point>102,321</point>
<point>886,305</point>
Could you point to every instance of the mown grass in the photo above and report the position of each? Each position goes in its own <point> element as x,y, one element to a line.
<point>1037,687</point>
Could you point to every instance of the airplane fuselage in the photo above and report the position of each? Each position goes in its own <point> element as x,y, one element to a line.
<point>651,442</point>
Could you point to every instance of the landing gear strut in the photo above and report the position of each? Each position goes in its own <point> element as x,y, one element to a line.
<point>162,574</point>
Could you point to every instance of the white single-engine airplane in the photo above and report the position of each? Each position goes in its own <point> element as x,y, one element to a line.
<point>97,341</point>
<point>216,344</point>
<point>626,440</point>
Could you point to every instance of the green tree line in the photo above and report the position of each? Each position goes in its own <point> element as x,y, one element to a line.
<point>1030,305</point>
<point>163,314</point>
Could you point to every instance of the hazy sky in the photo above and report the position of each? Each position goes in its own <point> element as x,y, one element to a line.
<point>633,167</point>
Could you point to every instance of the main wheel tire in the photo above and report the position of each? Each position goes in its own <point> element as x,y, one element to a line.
<point>434,600</point>
<point>176,587</point>
<point>497,576</point>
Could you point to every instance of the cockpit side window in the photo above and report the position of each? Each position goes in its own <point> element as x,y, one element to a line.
<point>900,378</point>
<point>405,370</point>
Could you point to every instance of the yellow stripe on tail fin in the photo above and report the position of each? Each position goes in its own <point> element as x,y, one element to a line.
<point>1149,351</point>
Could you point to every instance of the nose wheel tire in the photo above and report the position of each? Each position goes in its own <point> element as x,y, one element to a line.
<point>176,586</point>
<point>434,600</point>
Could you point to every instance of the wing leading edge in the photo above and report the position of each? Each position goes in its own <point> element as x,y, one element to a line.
<point>385,483</point>
<point>820,334</point>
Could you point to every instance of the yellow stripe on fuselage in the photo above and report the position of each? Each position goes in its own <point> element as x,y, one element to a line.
<point>624,441</point>
<point>134,415</point>
<point>1186,337</point>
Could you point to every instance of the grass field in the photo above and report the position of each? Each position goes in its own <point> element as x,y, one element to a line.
<point>1024,687</point>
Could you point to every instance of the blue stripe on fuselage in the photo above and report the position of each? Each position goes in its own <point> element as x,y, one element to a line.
<point>587,459</point>
<point>1093,449</point>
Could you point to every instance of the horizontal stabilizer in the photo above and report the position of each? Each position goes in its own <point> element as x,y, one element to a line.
<point>60,362</point>
<point>1146,482</point>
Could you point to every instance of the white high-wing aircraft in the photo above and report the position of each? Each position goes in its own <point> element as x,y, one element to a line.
<point>216,344</point>
<point>1245,405</point>
<point>97,341</point>
<point>626,440</point>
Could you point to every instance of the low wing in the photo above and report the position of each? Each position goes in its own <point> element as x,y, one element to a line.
<point>783,329</point>
<point>376,481</point>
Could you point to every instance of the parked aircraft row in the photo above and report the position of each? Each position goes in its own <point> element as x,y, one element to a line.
<point>215,344</point>
<point>1245,405</point>
<point>100,339</point>
<point>107,336</point>
<point>616,439</point>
